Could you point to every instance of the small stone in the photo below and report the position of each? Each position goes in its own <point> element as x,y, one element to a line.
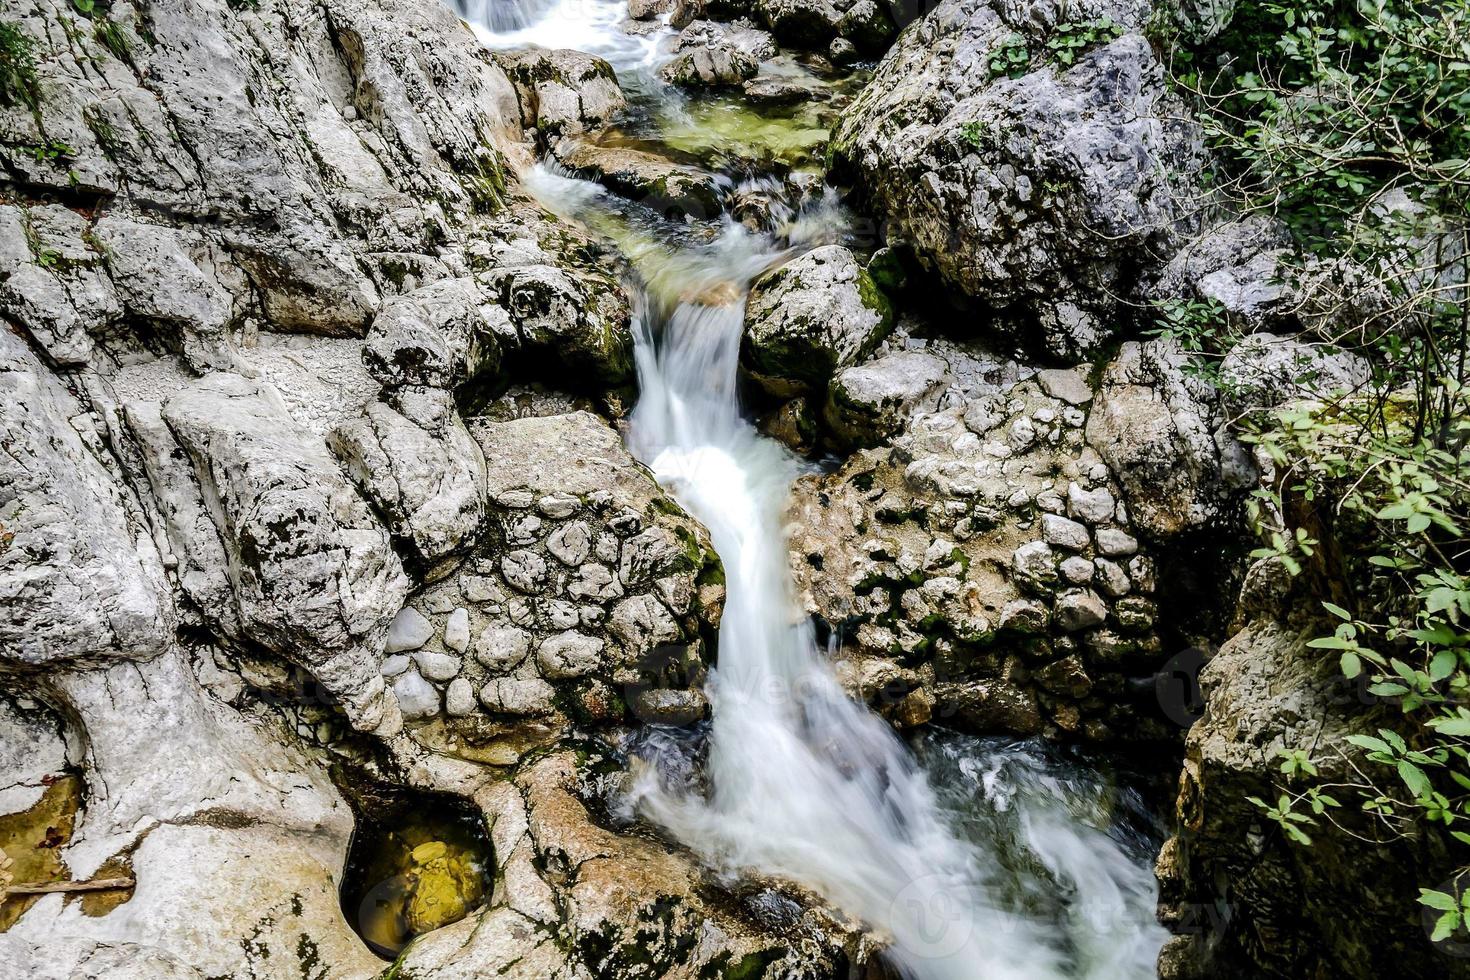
<point>518,696</point>
<point>1077,570</point>
<point>1023,616</point>
<point>571,543</point>
<point>395,665</point>
<point>1080,609</point>
<point>666,706</point>
<point>459,700</point>
<point>1135,614</point>
<point>524,570</point>
<point>502,648</point>
<point>1063,533</point>
<point>1066,676</point>
<point>1141,571</point>
<point>1021,434</point>
<point>568,655</point>
<point>1091,506</point>
<point>457,630</point>
<point>1050,501</point>
<point>1068,384</point>
<point>842,51</point>
<point>437,666</point>
<point>1034,562</point>
<point>558,505</point>
<point>409,631</point>
<point>417,698</point>
<point>1113,542</point>
<point>1111,578</point>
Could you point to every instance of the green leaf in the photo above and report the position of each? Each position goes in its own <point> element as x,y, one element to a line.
<point>1337,611</point>
<point>1414,778</point>
<point>1457,726</point>
<point>1442,901</point>
<point>1445,927</point>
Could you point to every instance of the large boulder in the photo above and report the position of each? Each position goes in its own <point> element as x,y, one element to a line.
<point>674,190</point>
<point>811,317</point>
<point>313,574</point>
<point>1160,428</point>
<point>866,24</point>
<point>1042,194</point>
<point>562,92</point>
<point>710,55</point>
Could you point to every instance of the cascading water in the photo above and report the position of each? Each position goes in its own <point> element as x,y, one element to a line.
<point>803,781</point>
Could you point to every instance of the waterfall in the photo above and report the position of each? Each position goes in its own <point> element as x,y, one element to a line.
<point>803,781</point>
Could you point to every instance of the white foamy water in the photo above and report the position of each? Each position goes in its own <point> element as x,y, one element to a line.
<point>1004,867</point>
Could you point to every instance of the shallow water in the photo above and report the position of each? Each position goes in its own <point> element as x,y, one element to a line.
<point>977,857</point>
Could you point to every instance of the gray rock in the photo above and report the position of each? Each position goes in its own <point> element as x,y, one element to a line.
<point>437,666</point>
<point>562,92</point>
<point>457,630</point>
<point>316,578</point>
<point>1035,562</point>
<point>708,55</point>
<point>518,696</point>
<point>408,631</point>
<point>428,483</point>
<point>502,648</point>
<point>396,664</point>
<point>439,335</point>
<point>1040,193</point>
<point>1077,570</point>
<point>459,698</point>
<point>568,655</point>
<point>672,189</point>
<point>417,698</point>
<point>1091,506</point>
<point>1114,542</point>
<point>1264,370</point>
<point>1068,384</point>
<point>1111,578</point>
<point>80,576</point>
<point>1080,609</point>
<point>815,23</point>
<point>1157,429</point>
<point>869,403</point>
<point>1063,533</point>
<point>815,315</point>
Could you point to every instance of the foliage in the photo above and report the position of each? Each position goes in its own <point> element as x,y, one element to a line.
<point>18,83</point>
<point>973,133</point>
<point>1070,40</point>
<point>1012,58</point>
<point>1348,122</point>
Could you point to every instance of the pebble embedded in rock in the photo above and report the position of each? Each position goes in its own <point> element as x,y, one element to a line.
<point>395,665</point>
<point>457,630</point>
<point>437,666</point>
<point>408,631</point>
<point>1077,570</point>
<point>1090,506</point>
<point>1069,384</point>
<point>459,699</point>
<point>502,648</point>
<point>1080,609</point>
<point>1063,533</point>
<point>1113,542</point>
<point>417,698</point>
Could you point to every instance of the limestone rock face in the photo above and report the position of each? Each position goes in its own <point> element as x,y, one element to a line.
<point>811,317</point>
<point>314,575</point>
<point>967,553</point>
<point>711,55</point>
<point>80,577</point>
<point>1042,193</point>
<point>1266,690</point>
<point>1161,431</point>
<point>562,92</point>
<point>590,587</point>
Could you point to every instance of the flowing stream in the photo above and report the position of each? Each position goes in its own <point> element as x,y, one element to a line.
<point>977,858</point>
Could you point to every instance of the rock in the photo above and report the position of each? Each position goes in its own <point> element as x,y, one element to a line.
<point>708,55</point>
<point>1044,193</point>
<point>870,402</point>
<point>568,655</point>
<point>1068,384</point>
<point>990,706</point>
<point>777,90</point>
<point>457,630</point>
<point>502,648</point>
<point>1076,569</point>
<point>417,698</point>
<point>1080,609</point>
<point>562,92</point>
<point>1111,578</point>
<point>1156,428</point>
<point>437,666</point>
<point>1035,563</point>
<point>408,631</point>
<point>1264,370</point>
<point>440,335</point>
<point>672,189</point>
<point>1113,542</point>
<point>518,696</point>
<point>428,483</point>
<point>808,319</point>
<point>80,576</point>
<point>1239,266</point>
<point>1064,533</point>
<point>459,698</point>
<point>814,24</point>
<point>842,51</point>
<point>678,12</point>
<point>1066,676</point>
<point>316,578</point>
<point>1090,506</point>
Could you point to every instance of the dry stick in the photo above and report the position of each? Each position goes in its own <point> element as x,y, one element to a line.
<point>55,887</point>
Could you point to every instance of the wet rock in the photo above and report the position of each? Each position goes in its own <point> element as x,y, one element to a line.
<point>672,189</point>
<point>710,55</point>
<point>813,316</point>
<point>562,92</point>
<point>678,12</point>
<point>815,23</point>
